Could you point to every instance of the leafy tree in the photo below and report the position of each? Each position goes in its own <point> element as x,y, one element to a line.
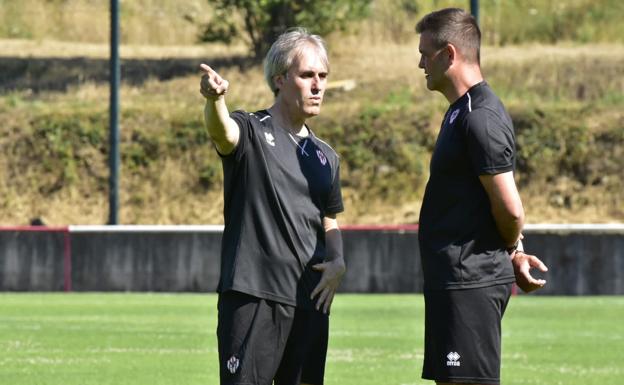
<point>259,22</point>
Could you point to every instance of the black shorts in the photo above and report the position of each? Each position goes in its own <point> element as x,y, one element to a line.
<point>262,341</point>
<point>463,334</point>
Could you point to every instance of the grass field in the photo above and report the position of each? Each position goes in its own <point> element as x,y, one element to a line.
<point>157,339</point>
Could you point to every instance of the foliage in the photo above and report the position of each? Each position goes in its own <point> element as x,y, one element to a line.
<point>546,154</point>
<point>565,99</point>
<point>384,148</point>
<point>61,144</point>
<point>515,22</point>
<point>165,22</point>
<point>567,162</point>
<point>263,20</point>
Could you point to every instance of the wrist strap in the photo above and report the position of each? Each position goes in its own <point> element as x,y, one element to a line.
<point>516,247</point>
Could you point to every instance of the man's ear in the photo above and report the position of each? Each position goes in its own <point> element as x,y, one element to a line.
<point>452,53</point>
<point>279,80</point>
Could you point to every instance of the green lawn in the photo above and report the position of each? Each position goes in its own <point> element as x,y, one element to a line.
<point>156,339</point>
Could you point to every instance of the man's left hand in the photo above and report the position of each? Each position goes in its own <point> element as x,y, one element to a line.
<point>330,280</point>
<point>522,264</point>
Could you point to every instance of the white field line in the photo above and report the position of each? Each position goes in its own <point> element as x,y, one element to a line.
<point>533,228</point>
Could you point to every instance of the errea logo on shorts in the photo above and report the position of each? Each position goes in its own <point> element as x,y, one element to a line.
<point>453,359</point>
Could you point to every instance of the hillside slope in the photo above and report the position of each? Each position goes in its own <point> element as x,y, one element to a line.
<point>566,102</point>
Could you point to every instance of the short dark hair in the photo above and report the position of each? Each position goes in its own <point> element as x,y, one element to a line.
<point>455,26</point>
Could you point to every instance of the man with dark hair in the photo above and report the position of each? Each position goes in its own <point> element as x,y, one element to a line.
<point>472,216</point>
<point>281,258</point>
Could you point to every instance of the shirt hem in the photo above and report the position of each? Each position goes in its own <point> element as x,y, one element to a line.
<point>263,295</point>
<point>464,285</point>
<point>336,210</point>
<point>496,170</point>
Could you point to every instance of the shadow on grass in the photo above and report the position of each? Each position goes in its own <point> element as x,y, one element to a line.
<point>57,74</point>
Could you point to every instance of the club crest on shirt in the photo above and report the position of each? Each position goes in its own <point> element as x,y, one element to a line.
<point>453,116</point>
<point>269,138</point>
<point>321,157</point>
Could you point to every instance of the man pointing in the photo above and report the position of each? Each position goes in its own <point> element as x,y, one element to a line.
<point>281,258</point>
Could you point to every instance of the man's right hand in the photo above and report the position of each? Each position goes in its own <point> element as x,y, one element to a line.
<point>212,85</point>
<point>522,264</point>
<point>223,131</point>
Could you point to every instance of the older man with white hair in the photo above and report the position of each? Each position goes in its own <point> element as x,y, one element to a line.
<point>281,259</point>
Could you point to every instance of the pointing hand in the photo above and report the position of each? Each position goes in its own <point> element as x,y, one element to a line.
<point>212,84</point>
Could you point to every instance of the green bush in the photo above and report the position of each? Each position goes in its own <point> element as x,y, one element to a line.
<point>385,148</point>
<point>553,143</point>
<point>521,22</point>
<point>56,142</point>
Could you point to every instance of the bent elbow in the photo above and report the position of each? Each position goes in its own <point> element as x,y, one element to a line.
<point>516,216</point>
<point>509,216</point>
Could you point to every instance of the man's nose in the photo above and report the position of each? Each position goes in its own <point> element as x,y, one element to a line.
<point>317,84</point>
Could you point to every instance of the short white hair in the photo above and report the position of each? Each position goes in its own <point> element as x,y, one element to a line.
<point>285,50</point>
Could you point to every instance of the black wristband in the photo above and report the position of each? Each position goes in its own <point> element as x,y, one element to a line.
<point>512,249</point>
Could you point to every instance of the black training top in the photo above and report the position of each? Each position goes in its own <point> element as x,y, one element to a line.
<point>460,245</point>
<point>277,189</point>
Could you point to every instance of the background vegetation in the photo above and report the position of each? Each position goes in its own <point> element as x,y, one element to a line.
<point>557,66</point>
<point>259,23</point>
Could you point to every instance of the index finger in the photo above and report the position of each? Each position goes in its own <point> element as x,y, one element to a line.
<point>319,287</point>
<point>536,262</point>
<point>206,68</point>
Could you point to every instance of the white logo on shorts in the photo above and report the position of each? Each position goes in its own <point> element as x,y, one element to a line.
<point>232,364</point>
<point>453,359</point>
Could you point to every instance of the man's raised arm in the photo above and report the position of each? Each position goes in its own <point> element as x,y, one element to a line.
<point>223,131</point>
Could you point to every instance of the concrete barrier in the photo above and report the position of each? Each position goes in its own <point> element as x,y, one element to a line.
<point>158,260</point>
<point>582,260</point>
<point>33,259</point>
<point>382,260</point>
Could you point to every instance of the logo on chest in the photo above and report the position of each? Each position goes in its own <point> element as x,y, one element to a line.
<point>269,138</point>
<point>321,157</point>
<point>453,116</point>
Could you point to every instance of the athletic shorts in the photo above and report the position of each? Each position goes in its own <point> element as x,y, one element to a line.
<point>463,334</point>
<point>261,341</point>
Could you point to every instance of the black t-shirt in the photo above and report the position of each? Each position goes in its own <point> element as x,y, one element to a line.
<point>460,245</point>
<point>277,189</point>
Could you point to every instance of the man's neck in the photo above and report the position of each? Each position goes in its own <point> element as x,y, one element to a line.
<point>292,124</point>
<point>462,81</point>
